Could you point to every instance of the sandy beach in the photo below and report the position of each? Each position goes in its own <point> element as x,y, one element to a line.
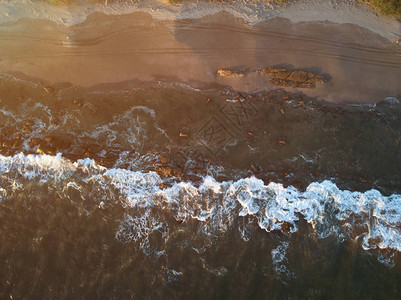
<point>97,45</point>
<point>204,150</point>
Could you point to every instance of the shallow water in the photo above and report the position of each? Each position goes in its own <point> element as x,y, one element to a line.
<point>166,191</point>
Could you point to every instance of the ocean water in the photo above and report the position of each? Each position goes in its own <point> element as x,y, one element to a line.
<point>166,192</point>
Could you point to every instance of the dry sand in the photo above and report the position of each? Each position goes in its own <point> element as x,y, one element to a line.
<point>364,65</point>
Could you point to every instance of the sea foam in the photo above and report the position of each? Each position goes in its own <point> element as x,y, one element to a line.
<point>369,217</point>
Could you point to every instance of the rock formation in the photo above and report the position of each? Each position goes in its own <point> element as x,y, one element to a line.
<point>280,76</point>
<point>230,73</point>
<point>293,78</point>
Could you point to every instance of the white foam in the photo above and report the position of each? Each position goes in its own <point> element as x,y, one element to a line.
<point>218,271</point>
<point>139,188</point>
<point>140,228</point>
<point>392,100</point>
<point>279,260</point>
<point>370,217</point>
<point>387,258</point>
<point>134,132</point>
<point>328,209</point>
<point>3,194</point>
<point>172,275</point>
<point>35,166</point>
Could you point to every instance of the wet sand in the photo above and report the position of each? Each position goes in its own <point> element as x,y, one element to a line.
<point>363,67</point>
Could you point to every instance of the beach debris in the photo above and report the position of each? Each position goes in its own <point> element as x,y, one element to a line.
<point>77,102</point>
<point>231,73</point>
<point>281,141</point>
<point>364,179</point>
<point>29,123</point>
<point>48,89</point>
<point>255,168</point>
<point>293,78</point>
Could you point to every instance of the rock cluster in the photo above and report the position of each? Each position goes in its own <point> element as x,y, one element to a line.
<point>280,76</point>
<point>293,78</point>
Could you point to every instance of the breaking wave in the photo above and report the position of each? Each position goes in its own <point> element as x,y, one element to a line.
<point>154,212</point>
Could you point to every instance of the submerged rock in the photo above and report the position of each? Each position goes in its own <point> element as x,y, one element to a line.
<point>167,171</point>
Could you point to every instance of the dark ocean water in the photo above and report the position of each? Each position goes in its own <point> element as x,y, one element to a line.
<point>168,192</point>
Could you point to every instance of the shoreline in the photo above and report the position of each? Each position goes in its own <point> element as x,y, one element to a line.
<point>336,11</point>
<point>360,66</point>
